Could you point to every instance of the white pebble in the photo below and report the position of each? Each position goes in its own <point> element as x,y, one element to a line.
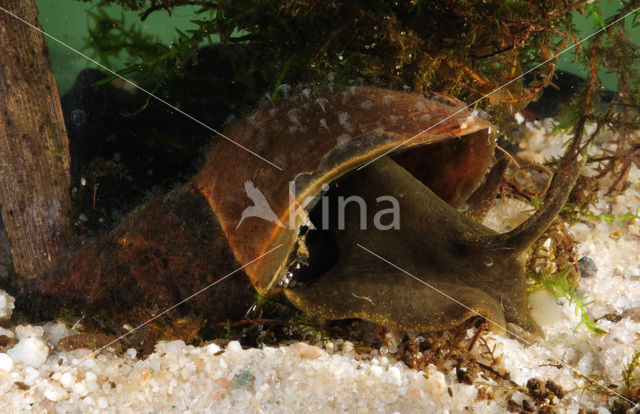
<point>55,331</point>
<point>302,350</point>
<point>6,332</point>
<point>81,354</point>
<point>213,349</point>
<point>234,346</point>
<point>347,347</point>
<point>329,347</point>
<point>437,383</point>
<point>102,403</point>
<point>30,351</point>
<point>580,231</point>
<point>377,370</point>
<point>80,388</point>
<point>171,347</point>
<point>53,392</point>
<point>29,331</point>
<point>6,305</point>
<point>67,380</point>
<point>90,377</point>
<point>393,339</point>
<point>394,376</point>
<point>31,375</point>
<point>6,363</point>
<point>544,307</point>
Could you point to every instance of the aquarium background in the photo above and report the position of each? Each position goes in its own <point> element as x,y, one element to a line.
<point>69,21</point>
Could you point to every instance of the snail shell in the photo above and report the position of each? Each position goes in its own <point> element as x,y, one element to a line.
<point>318,137</point>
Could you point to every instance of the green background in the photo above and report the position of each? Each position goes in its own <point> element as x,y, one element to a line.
<point>67,20</point>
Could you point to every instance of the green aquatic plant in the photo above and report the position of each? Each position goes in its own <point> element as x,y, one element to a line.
<point>148,61</point>
<point>628,373</point>
<point>561,286</point>
<point>611,218</point>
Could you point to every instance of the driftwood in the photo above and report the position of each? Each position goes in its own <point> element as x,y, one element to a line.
<point>34,153</point>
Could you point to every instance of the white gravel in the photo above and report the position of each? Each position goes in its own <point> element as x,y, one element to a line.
<point>36,376</point>
<point>7,304</point>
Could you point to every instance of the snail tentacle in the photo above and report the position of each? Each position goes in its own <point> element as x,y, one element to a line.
<point>519,239</point>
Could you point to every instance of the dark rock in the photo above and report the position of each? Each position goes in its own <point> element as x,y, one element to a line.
<point>587,267</point>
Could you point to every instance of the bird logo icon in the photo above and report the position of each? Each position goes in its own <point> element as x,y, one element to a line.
<point>260,207</point>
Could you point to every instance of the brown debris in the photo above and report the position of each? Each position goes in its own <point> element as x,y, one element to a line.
<point>88,340</point>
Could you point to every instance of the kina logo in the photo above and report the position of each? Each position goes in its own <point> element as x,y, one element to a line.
<point>260,207</point>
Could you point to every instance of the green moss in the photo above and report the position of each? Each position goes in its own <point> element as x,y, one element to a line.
<point>628,373</point>
<point>560,285</point>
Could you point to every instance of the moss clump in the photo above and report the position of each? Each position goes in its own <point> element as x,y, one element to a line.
<point>467,49</point>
